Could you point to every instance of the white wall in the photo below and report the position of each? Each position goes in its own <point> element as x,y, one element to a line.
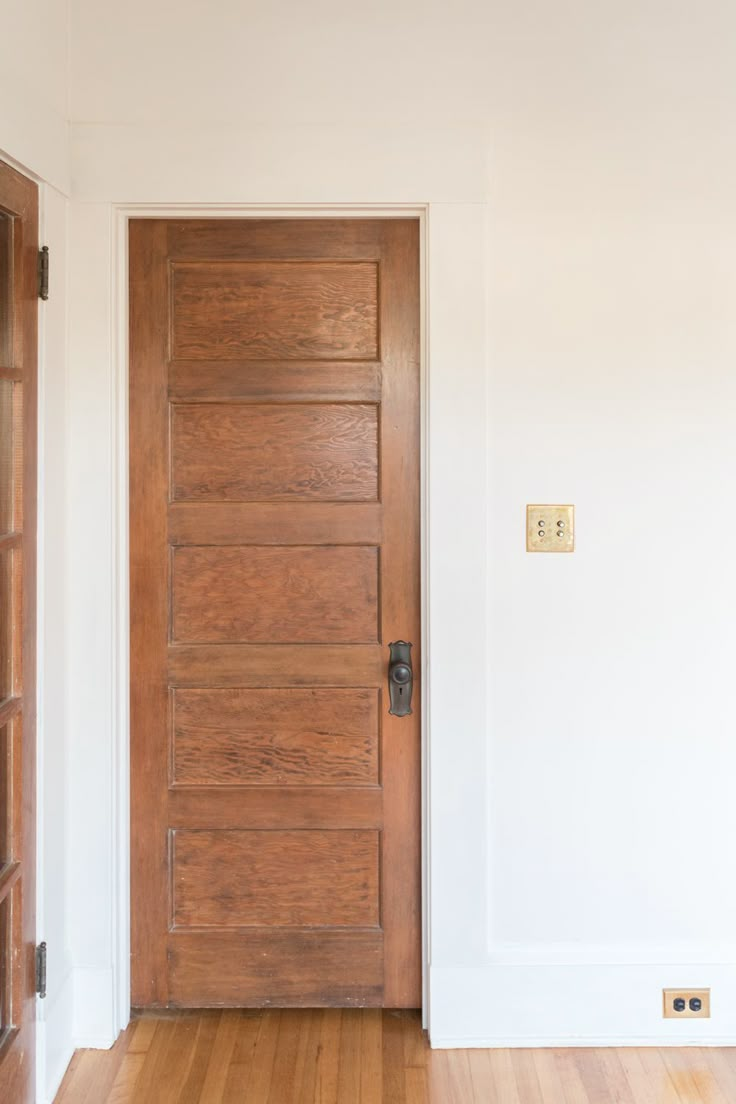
<point>34,88</point>
<point>268,63</point>
<point>612,273</point>
<point>579,166</point>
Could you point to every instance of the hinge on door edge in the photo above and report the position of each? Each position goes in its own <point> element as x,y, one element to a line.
<point>43,273</point>
<point>41,970</point>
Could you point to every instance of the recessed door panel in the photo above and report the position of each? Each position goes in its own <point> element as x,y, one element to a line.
<point>274,310</point>
<point>254,595</point>
<point>238,452</point>
<point>275,737</point>
<point>309,878</point>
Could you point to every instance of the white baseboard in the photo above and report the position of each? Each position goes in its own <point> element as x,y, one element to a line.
<point>588,1004</point>
<point>560,1042</point>
<point>94,1015</point>
<point>54,1039</point>
<point>80,1015</point>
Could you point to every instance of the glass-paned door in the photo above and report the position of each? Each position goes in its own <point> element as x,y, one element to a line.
<point>18,343</point>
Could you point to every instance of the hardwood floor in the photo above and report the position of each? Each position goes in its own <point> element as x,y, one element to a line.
<point>371,1057</point>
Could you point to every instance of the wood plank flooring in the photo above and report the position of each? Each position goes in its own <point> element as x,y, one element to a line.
<point>371,1057</point>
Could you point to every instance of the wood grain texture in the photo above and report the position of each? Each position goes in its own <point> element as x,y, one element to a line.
<point>400,589</point>
<point>275,595</point>
<point>19,291</point>
<point>275,737</point>
<point>279,968</point>
<point>287,239</point>
<point>274,310</point>
<point>264,523</point>
<point>366,1056</point>
<point>259,382</point>
<point>248,453</point>
<point>149,704</point>
<point>262,665</point>
<point>307,878</point>
<point>273,807</point>
<point>285,570</point>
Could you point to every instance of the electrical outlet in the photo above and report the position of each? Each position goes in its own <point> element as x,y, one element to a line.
<point>686,1004</point>
<point>550,528</point>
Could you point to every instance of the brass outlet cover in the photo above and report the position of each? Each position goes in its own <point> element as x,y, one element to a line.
<point>669,996</point>
<point>550,528</point>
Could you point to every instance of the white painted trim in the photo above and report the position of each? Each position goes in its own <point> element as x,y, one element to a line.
<point>93,999</point>
<point>57,1022</point>
<point>120,720</point>
<point>541,955</point>
<point>557,1042</point>
<point>54,1015</point>
<point>424,554</point>
<point>120,627</point>
<point>589,1004</point>
<point>40,919</point>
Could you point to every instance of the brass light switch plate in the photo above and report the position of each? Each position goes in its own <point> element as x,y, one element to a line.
<point>550,528</point>
<point>686,1004</point>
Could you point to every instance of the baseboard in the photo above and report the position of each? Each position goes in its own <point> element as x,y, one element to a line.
<point>55,1039</point>
<point>591,1004</point>
<point>94,1016</point>
<point>558,1042</point>
<point>54,1077</point>
<point>79,1015</point>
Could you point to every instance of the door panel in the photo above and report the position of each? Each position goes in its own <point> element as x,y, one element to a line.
<point>274,412</point>
<point>289,453</point>
<point>296,968</point>
<point>18,349</point>
<point>274,595</point>
<point>275,737</point>
<point>274,311</point>
<point>310,878</point>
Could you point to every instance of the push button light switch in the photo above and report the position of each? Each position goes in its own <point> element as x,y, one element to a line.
<point>550,528</point>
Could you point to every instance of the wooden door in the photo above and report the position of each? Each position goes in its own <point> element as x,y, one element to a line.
<point>274,497</point>
<point>18,351</point>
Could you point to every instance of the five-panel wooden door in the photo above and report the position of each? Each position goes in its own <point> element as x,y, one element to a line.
<point>274,508</point>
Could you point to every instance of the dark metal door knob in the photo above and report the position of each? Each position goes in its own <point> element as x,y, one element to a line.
<point>400,678</point>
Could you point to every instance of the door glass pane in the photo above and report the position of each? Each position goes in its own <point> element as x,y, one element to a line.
<point>6,624</point>
<point>6,456</point>
<point>6,752</point>
<point>6,284</point>
<point>5,964</point>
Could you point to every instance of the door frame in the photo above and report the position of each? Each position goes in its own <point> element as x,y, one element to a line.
<point>120,795</point>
